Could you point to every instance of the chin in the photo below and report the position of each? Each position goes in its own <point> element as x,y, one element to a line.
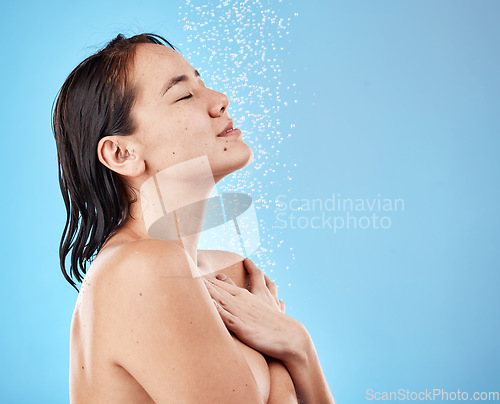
<point>236,161</point>
<point>249,158</point>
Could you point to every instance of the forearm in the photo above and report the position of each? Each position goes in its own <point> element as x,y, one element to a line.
<point>305,370</point>
<point>260,324</point>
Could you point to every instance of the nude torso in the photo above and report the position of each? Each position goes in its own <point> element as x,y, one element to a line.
<point>95,378</point>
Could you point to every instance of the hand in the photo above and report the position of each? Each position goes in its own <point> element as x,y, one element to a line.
<point>262,286</point>
<point>256,316</point>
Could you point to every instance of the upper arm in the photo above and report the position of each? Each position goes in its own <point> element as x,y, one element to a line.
<point>168,335</point>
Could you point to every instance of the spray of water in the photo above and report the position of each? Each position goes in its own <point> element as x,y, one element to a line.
<point>238,47</point>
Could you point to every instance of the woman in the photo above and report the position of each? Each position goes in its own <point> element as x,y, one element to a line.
<point>147,327</point>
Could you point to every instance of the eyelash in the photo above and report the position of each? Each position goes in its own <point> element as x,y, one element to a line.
<point>185,98</point>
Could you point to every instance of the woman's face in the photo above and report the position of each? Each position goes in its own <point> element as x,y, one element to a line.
<point>178,118</point>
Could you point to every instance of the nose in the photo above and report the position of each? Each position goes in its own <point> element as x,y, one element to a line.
<point>218,104</point>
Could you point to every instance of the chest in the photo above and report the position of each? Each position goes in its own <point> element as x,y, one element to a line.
<point>258,365</point>
<point>232,266</point>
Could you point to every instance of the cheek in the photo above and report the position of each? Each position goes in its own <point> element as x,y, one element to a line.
<point>186,125</point>
<point>189,142</point>
<point>181,136</point>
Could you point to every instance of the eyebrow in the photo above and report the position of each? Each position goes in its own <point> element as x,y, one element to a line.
<point>176,80</point>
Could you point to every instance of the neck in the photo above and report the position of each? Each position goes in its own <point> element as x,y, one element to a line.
<point>171,205</point>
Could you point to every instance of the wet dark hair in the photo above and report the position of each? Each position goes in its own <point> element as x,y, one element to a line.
<point>95,101</point>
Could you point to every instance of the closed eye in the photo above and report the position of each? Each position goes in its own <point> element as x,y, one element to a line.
<point>185,98</point>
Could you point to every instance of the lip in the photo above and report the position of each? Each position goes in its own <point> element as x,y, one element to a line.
<point>229,130</point>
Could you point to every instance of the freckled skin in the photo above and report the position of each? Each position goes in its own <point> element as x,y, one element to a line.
<point>187,118</point>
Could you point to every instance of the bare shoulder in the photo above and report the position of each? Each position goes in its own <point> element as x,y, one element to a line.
<point>123,266</point>
<point>220,259</point>
<point>161,257</point>
<point>119,275</point>
<point>227,262</point>
<point>124,272</point>
<point>148,308</point>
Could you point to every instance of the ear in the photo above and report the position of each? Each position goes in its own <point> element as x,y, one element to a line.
<point>118,154</point>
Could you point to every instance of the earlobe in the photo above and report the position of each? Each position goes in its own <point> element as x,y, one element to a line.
<point>119,158</point>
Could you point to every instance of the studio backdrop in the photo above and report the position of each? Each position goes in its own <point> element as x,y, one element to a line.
<point>374,188</point>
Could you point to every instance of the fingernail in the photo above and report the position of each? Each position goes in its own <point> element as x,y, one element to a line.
<point>221,277</point>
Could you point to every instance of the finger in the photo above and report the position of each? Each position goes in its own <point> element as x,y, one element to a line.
<point>282,306</point>
<point>223,299</point>
<point>216,293</point>
<point>257,281</point>
<point>226,305</point>
<point>225,278</point>
<point>232,322</point>
<point>271,286</point>
<point>223,286</point>
<point>273,289</point>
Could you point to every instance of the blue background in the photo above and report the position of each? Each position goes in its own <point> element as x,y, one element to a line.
<point>361,98</point>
